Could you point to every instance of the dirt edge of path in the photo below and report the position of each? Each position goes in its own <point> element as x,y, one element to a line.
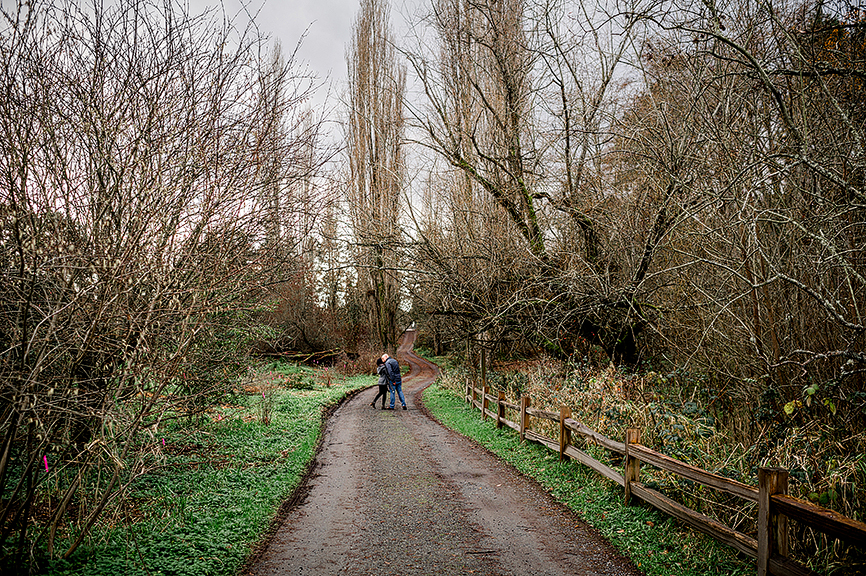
<point>418,398</point>
<point>301,490</point>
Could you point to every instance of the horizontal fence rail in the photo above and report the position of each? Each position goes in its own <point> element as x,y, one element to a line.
<point>775,506</point>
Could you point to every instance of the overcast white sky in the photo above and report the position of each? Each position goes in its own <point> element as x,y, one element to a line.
<point>327,23</point>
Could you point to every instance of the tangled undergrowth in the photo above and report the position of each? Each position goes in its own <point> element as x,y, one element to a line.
<point>214,481</point>
<point>676,416</point>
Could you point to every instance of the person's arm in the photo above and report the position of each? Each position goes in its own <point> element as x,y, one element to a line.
<point>384,372</point>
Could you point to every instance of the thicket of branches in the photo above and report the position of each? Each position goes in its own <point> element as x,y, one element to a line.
<point>680,183</point>
<point>141,152</point>
<point>676,187</point>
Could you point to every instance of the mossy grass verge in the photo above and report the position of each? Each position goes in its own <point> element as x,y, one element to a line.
<point>655,542</point>
<point>216,487</point>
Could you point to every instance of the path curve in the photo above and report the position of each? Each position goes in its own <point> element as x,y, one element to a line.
<point>395,493</point>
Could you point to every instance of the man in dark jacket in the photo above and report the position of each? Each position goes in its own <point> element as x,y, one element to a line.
<point>395,380</point>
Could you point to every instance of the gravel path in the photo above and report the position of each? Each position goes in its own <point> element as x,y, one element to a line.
<point>395,493</point>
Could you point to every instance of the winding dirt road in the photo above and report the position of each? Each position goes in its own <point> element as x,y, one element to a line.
<point>395,493</point>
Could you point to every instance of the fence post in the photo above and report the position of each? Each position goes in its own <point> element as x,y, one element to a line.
<point>772,527</point>
<point>484,367</point>
<point>500,409</point>
<point>564,433</point>
<point>524,417</point>
<point>469,395</point>
<point>631,470</point>
<point>484,392</point>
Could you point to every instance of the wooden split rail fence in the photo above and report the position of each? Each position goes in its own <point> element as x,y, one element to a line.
<point>775,506</point>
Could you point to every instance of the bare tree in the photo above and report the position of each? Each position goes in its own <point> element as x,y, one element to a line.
<point>485,235</point>
<point>479,91</point>
<point>517,105</point>
<point>374,135</point>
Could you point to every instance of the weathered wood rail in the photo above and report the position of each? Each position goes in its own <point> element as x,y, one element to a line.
<point>770,546</point>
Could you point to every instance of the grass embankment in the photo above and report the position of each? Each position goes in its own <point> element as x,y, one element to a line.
<point>219,484</point>
<point>654,541</point>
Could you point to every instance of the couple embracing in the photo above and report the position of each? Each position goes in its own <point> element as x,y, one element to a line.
<point>389,379</point>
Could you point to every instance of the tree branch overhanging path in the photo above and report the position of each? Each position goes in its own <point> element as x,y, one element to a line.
<point>394,492</point>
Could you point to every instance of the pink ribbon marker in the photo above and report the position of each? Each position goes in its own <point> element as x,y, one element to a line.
<point>45,459</point>
<point>163,442</point>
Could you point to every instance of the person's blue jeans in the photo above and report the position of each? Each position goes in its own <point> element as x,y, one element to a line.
<point>399,388</point>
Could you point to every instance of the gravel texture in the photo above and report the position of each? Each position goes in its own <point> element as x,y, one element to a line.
<point>395,493</point>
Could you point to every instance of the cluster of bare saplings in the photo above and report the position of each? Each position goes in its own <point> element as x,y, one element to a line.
<point>155,176</point>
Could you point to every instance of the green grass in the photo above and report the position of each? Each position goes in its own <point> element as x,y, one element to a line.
<point>219,483</point>
<point>655,542</point>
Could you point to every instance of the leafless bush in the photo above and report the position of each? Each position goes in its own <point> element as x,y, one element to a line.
<point>132,244</point>
<point>748,114</point>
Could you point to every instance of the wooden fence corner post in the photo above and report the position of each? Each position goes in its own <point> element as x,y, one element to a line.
<point>632,465</point>
<point>564,432</point>
<point>524,417</point>
<point>500,409</point>
<point>470,394</point>
<point>484,392</point>
<point>772,527</point>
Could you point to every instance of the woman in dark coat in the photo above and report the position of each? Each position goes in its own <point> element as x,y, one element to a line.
<point>383,383</point>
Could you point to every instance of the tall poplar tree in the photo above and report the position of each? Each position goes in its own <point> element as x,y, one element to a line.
<point>374,133</point>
